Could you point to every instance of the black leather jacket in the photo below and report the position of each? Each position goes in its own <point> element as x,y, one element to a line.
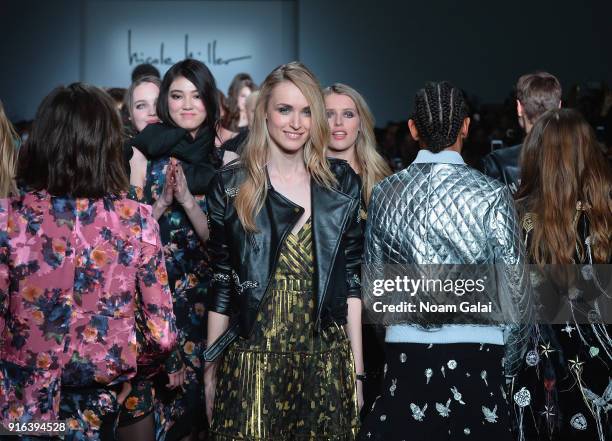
<point>244,263</point>
<point>503,165</point>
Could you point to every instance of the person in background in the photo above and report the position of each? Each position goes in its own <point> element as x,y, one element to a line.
<point>145,70</point>
<point>117,94</point>
<point>9,142</point>
<point>240,88</point>
<point>141,102</point>
<point>78,261</point>
<point>237,142</point>
<point>535,94</point>
<point>566,204</point>
<point>182,159</point>
<point>224,134</point>
<point>351,126</point>
<point>444,376</point>
<point>285,247</point>
<point>136,422</point>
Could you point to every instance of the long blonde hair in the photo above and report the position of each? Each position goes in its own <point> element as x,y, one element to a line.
<point>8,155</point>
<point>253,191</point>
<point>372,165</point>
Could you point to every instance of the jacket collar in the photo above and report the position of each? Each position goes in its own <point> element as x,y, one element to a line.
<point>443,157</point>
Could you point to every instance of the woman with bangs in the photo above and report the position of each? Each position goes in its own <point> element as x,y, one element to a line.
<point>285,308</point>
<point>566,208</point>
<point>181,161</point>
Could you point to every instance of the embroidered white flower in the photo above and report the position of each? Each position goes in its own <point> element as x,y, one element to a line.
<point>452,364</point>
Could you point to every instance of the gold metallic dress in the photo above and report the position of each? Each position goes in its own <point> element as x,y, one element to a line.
<point>287,382</point>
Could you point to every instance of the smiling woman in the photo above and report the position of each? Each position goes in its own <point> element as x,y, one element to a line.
<point>286,250</point>
<point>182,159</point>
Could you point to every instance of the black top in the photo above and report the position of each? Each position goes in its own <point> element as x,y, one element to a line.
<point>503,165</point>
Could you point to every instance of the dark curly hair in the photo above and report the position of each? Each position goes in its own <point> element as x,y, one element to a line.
<point>440,109</point>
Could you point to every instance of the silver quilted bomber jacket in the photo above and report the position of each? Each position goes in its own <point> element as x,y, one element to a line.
<point>447,213</point>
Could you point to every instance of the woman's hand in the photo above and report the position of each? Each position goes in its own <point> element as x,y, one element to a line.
<point>167,195</point>
<point>181,191</point>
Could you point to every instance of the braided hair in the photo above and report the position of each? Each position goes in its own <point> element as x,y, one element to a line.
<point>440,109</point>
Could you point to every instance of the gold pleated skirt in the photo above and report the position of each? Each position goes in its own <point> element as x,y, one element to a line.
<point>287,382</point>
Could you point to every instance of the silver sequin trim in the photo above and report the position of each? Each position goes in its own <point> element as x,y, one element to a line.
<point>231,192</point>
<point>220,277</point>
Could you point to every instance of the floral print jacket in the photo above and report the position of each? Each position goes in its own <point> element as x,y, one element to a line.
<point>73,275</point>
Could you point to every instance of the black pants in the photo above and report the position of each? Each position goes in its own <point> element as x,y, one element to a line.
<point>440,392</point>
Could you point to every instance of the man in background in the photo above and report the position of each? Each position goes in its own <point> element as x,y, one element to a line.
<point>535,94</point>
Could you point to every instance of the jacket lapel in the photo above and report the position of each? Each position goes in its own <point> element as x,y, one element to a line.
<point>330,209</point>
<point>282,214</point>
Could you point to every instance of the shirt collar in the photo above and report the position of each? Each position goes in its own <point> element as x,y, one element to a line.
<point>443,157</point>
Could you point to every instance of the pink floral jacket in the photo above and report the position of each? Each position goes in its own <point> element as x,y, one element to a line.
<point>74,273</point>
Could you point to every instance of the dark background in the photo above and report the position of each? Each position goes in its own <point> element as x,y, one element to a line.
<point>386,49</point>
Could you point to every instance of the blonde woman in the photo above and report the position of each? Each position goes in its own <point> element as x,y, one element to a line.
<point>351,126</point>
<point>285,306</point>
<point>8,155</point>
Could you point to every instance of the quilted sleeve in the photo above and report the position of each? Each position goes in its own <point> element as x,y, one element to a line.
<point>514,291</point>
